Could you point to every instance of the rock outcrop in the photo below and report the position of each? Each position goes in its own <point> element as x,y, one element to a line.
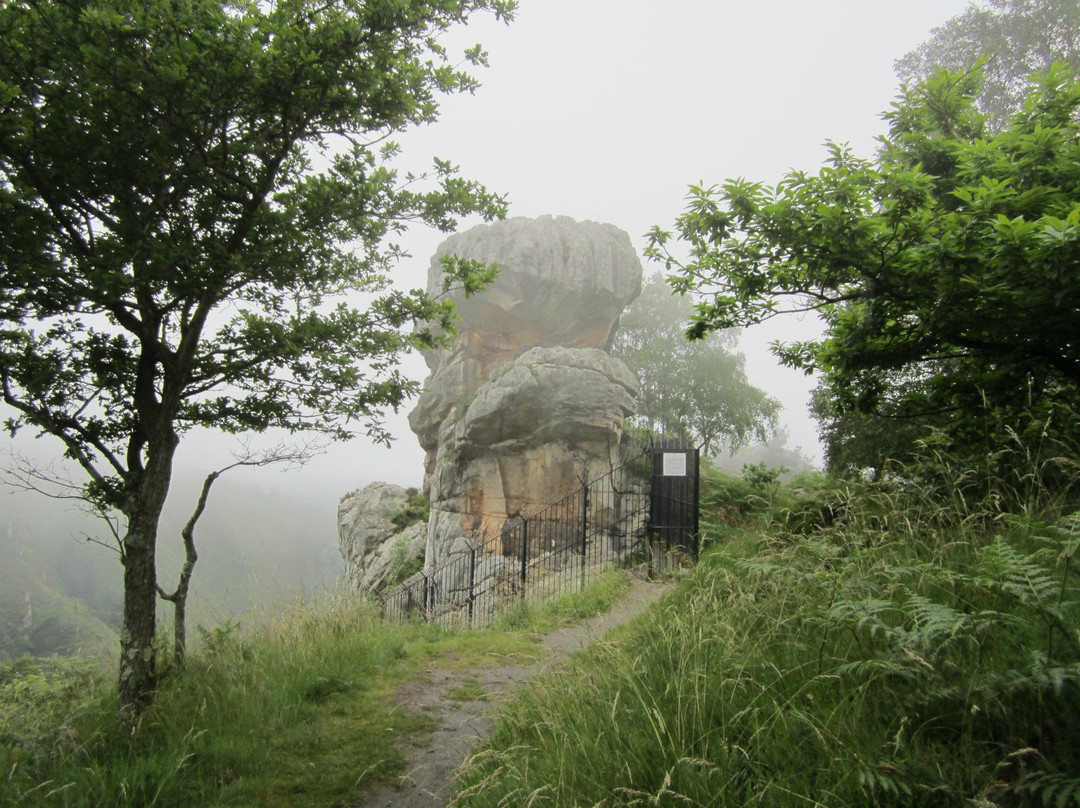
<point>526,401</point>
<point>376,551</point>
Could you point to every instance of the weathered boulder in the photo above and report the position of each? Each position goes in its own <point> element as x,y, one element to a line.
<point>525,402</point>
<point>561,283</point>
<point>550,395</point>
<point>375,550</point>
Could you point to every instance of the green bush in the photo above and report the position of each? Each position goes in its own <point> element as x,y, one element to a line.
<point>415,509</point>
<point>403,565</point>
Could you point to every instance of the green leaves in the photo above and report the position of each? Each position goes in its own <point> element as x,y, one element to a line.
<point>944,271</point>
<point>1008,41</point>
<point>155,163</point>
<point>696,390</point>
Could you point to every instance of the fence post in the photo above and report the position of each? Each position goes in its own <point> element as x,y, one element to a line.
<point>584,529</point>
<point>472,580</point>
<point>697,504</point>
<point>524,553</point>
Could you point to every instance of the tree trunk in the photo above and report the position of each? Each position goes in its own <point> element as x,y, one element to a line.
<point>180,624</point>
<point>138,669</point>
<point>138,663</point>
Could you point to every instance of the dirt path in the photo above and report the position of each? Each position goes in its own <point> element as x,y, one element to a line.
<point>465,700</point>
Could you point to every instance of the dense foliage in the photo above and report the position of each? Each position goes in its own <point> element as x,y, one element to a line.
<point>947,270</point>
<point>1010,42</point>
<point>1015,39</point>
<point>693,390</point>
<point>189,189</point>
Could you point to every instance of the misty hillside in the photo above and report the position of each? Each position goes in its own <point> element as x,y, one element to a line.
<point>39,613</point>
<point>62,593</point>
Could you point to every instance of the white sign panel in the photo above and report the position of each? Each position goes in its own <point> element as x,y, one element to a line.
<point>674,464</point>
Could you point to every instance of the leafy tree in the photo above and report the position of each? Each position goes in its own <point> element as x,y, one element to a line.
<point>189,190</point>
<point>1017,38</point>
<point>947,271</point>
<point>1010,41</point>
<point>698,391</point>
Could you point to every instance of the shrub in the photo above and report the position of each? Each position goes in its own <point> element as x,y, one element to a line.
<point>415,509</point>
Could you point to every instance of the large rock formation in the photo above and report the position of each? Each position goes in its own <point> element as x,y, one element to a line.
<point>376,550</point>
<point>526,401</point>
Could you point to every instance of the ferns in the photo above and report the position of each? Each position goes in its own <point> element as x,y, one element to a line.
<point>914,642</point>
<point>1050,788</point>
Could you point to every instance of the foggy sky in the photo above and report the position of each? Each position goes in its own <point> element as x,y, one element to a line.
<point>607,110</point>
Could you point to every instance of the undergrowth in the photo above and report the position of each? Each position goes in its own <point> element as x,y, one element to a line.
<point>297,712</point>
<point>535,615</point>
<point>906,643</point>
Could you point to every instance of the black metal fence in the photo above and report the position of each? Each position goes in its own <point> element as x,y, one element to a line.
<point>558,549</point>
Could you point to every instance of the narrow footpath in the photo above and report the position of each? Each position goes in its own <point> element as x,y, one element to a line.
<point>465,702</point>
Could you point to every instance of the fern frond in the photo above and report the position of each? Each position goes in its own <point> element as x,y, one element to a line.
<point>884,778</point>
<point>1053,789</point>
<point>1020,575</point>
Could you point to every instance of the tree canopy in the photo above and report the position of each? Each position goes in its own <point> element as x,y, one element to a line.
<point>946,270</point>
<point>194,195</point>
<point>698,391</point>
<point>1012,39</point>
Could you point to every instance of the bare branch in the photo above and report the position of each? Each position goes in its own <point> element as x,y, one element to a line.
<point>294,456</point>
<point>23,474</point>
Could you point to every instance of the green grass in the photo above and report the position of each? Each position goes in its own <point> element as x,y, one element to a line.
<point>601,593</point>
<point>295,713</point>
<point>904,649</point>
<point>299,711</point>
<point>470,690</point>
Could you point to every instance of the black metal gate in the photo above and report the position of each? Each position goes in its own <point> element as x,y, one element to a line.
<point>673,511</point>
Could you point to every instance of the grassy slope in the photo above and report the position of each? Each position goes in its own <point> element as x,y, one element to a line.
<point>37,620</point>
<point>902,654</point>
<point>293,712</point>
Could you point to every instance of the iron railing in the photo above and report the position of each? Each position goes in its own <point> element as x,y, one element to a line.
<point>558,549</point>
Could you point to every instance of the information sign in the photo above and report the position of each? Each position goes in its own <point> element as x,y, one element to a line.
<point>674,464</point>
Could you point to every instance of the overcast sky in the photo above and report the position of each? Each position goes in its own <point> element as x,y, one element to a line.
<point>608,109</point>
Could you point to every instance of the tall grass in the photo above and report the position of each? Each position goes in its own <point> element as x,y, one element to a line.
<point>544,613</point>
<point>911,643</point>
<point>297,712</point>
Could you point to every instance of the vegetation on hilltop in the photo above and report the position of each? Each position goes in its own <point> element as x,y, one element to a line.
<point>900,643</point>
